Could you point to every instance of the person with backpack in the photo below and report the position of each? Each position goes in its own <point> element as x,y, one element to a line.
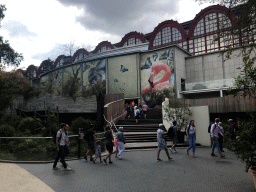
<point>215,130</point>
<point>221,139</point>
<point>61,141</point>
<point>137,115</point>
<point>191,134</point>
<point>121,141</point>
<point>172,133</point>
<point>91,139</point>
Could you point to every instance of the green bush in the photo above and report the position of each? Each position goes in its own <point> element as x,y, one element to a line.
<point>80,122</point>
<point>12,120</point>
<point>30,126</point>
<point>7,130</point>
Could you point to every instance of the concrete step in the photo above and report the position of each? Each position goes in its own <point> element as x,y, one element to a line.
<point>140,122</point>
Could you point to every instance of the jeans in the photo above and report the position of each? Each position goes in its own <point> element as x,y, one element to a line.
<point>61,155</point>
<point>192,142</point>
<point>216,144</point>
<point>121,148</point>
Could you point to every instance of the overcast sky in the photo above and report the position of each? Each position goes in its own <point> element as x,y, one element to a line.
<point>39,29</point>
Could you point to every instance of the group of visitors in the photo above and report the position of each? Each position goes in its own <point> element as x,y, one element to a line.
<point>136,110</point>
<point>216,132</point>
<point>62,142</point>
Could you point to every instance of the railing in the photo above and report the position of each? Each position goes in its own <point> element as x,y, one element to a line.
<point>41,148</point>
<point>114,107</point>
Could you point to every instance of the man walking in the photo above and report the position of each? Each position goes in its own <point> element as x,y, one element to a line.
<point>121,141</point>
<point>91,139</point>
<point>62,143</point>
<point>145,110</point>
<point>215,130</point>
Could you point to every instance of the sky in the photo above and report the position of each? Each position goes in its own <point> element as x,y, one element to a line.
<point>42,29</point>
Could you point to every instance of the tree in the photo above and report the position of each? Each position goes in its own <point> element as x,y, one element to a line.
<point>177,110</point>
<point>8,57</point>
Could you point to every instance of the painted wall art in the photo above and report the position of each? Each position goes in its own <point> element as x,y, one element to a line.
<point>157,75</point>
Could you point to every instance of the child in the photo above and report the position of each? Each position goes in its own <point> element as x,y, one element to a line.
<point>98,151</point>
<point>116,145</point>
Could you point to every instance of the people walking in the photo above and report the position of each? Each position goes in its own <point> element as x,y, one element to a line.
<point>129,110</point>
<point>191,134</point>
<point>116,146</point>
<point>175,137</point>
<point>232,129</point>
<point>214,135</point>
<point>97,151</point>
<point>220,137</point>
<point>67,151</point>
<point>121,141</point>
<point>91,139</point>
<point>161,143</point>
<point>61,141</point>
<point>137,115</point>
<point>109,144</point>
<point>145,110</point>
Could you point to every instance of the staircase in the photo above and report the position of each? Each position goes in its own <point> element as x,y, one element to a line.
<point>143,134</point>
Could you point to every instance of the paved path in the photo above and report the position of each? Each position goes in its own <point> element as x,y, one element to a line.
<point>138,171</point>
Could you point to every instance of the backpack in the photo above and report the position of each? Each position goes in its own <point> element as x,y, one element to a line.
<point>209,128</point>
<point>170,132</point>
<point>54,135</point>
<point>137,112</point>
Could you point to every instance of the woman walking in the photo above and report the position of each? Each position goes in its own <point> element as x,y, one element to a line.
<point>191,134</point>
<point>109,144</point>
<point>161,142</point>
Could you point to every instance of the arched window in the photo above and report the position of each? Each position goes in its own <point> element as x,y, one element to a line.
<point>168,33</point>
<point>103,46</point>
<point>132,38</point>
<point>205,31</point>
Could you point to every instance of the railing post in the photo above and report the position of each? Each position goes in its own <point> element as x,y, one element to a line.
<point>79,148</point>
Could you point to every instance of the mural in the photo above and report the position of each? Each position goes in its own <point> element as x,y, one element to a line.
<point>123,75</point>
<point>94,72</point>
<point>157,74</point>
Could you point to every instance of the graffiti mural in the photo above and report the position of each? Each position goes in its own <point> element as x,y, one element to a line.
<point>123,75</point>
<point>94,72</point>
<point>157,75</point>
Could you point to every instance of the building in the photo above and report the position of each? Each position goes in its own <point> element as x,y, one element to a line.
<point>179,56</point>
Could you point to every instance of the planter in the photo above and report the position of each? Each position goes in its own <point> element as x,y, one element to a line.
<point>253,172</point>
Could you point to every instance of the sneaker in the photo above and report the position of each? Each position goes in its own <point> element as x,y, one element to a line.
<point>171,150</point>
<point>222,156</point>
<point>85,157</point>
<point>105,161</point>
<point>67,169</point>
<point>120,157</point>
<point>159,160</point>
<point>194,156</point>
<point>175,151</point>
<point>93,160</point>
<point>55,168</point>
<point>110,162</point>
<point>212,154</point>
<point>170,159</point>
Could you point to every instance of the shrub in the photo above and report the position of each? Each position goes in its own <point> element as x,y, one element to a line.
<point>80,122</point>
<point>7,130</point>
<point>12,120</point>
<point>30,125</point>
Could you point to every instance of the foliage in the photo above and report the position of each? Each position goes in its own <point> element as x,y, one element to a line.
<point>12,85</point>
<point>12,120</point>
<point>47,85</point>
<point>30,125</point>
<point>177,110</point>
<point>7,55</point>
<point>71,86</point>
<point>80,122</point>
<point>245,82</point>
<point>245,143</point>
<point>7,130</point>
<point>94,89</point>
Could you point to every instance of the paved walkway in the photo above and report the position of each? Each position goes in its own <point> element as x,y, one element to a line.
<point>138,171</point>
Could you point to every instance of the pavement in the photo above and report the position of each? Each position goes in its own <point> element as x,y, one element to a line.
<point>138,171</point>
